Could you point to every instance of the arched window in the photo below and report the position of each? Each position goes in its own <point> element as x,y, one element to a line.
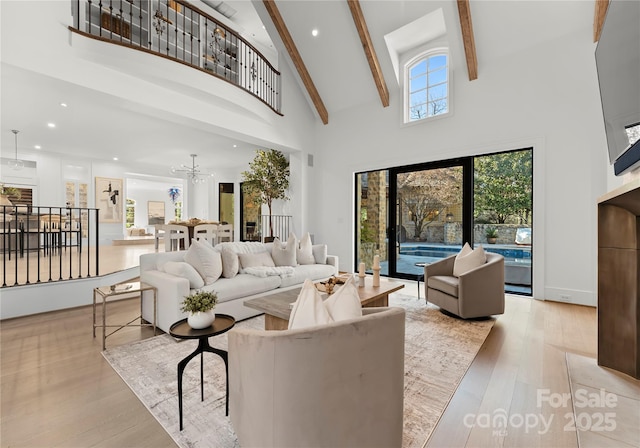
<point>427,86</point>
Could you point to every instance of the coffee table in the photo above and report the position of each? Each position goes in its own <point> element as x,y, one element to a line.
<point>277,306</point>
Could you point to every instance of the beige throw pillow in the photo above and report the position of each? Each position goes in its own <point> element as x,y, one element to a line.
<point>345,302</point>
<point>308,310</point>
<point>256,260</point>
<point>284,254</point>
<point>305,252</point>
<point>205,260</point>
<point>184,269</point>
<point>320,253</point>
<point>230,262</point>
<point>468,259</point>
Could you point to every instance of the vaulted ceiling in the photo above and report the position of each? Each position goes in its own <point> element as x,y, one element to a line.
<point>349,63</point>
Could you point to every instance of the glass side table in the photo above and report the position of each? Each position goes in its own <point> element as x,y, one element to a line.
<point>108,292</point>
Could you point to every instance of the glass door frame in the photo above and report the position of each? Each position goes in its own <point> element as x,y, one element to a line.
<point>467,204</point>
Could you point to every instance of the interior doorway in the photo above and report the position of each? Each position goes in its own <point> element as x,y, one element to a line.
<point>226,201</point>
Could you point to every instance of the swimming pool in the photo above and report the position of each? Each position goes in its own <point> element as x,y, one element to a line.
<point>521,254</point>
<point>517,260</point>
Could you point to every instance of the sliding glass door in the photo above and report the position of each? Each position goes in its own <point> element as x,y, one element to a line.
<point>372,218</point>
<point>428,216</point>
<point>415,215</point>
<point>503,213</point>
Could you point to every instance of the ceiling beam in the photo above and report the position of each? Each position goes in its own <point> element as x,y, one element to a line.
<point>464,11</point>
<point>369,51</point>
<point>598,18</point>
<point>289,44</point>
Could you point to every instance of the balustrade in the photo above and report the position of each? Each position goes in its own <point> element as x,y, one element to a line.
<point>45,244</point>
<point>180,31</point>
<point>280,224</point>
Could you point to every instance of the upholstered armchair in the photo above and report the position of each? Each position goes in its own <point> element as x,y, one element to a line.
<point>334,385</point>
<point>476,293</point>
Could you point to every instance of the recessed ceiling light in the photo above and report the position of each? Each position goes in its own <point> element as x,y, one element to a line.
<point>314,32</point>
<point>63,104</point>
<point>115,158</point>
<point>51,125</point>
<point>235,146</point>
<point>38,147</point>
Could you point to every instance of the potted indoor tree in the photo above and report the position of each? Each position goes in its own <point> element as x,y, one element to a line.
<point>492,235</point>
<point>268,180</point>
<point>200,306</point>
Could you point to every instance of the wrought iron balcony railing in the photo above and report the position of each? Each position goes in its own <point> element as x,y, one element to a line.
<point>48,244</point>
<point>179,31</point>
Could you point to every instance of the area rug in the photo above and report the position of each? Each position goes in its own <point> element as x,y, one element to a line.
<point>438,352</point>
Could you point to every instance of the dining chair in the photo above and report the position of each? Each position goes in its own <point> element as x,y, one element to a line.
<point>206,232</point>
<point>225,233</point>
<point>50,229</point>
<point>158,232</point>
<point>176,237</point>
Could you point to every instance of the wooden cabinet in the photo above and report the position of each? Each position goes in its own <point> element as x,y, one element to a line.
<point>619,279</point>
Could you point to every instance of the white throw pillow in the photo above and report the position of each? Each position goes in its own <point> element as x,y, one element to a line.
<point>254,260</point>
<point>183,269</point>
<point>205,260</point>
<point>230,262</point>
<point>308,310</point>
<point>305,252</point>
<point>284,254</point>
<point>320,253</point>
<point>468,259</point>
<point>345,302</point>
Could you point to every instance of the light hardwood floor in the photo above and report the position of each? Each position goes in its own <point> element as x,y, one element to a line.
<point>57,264</point>
<point>57,389</point>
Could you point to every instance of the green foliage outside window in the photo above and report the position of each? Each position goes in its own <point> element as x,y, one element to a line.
<point>503,187</point>
<point>130,213</point>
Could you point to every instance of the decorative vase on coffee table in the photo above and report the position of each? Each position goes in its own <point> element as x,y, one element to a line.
<point>201,319</point>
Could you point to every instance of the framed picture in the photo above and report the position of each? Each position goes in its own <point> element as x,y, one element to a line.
<point>155,211</point>
<point>109,199</point>
<point>70,193</point>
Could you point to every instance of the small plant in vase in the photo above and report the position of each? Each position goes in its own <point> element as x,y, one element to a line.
<point>492,235</point>
<point>200,306</point>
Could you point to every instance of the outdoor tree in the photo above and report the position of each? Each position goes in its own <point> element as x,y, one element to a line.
<point>503,185</point>
<point>426,194</point>
<point>267,179</point>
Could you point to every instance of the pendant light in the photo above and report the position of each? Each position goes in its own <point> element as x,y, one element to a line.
<point>16,164</point>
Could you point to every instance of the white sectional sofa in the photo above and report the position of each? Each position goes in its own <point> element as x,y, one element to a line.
<point>233,291</point>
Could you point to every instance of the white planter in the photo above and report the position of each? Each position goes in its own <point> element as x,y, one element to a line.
<point>200,320</point>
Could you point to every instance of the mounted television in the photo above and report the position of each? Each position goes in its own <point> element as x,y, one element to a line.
<point>618,65</point>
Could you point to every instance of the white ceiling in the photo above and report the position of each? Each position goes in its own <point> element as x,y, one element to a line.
<point>100,126</point>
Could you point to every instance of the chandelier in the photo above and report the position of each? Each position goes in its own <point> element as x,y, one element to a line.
<point>192,172</point>
<point>15,164</point>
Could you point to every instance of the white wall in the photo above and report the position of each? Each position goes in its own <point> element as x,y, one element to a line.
<point>547,98</point>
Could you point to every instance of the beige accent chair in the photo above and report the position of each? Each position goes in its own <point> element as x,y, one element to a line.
<point>476,293</point>
<point>336,385</point>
